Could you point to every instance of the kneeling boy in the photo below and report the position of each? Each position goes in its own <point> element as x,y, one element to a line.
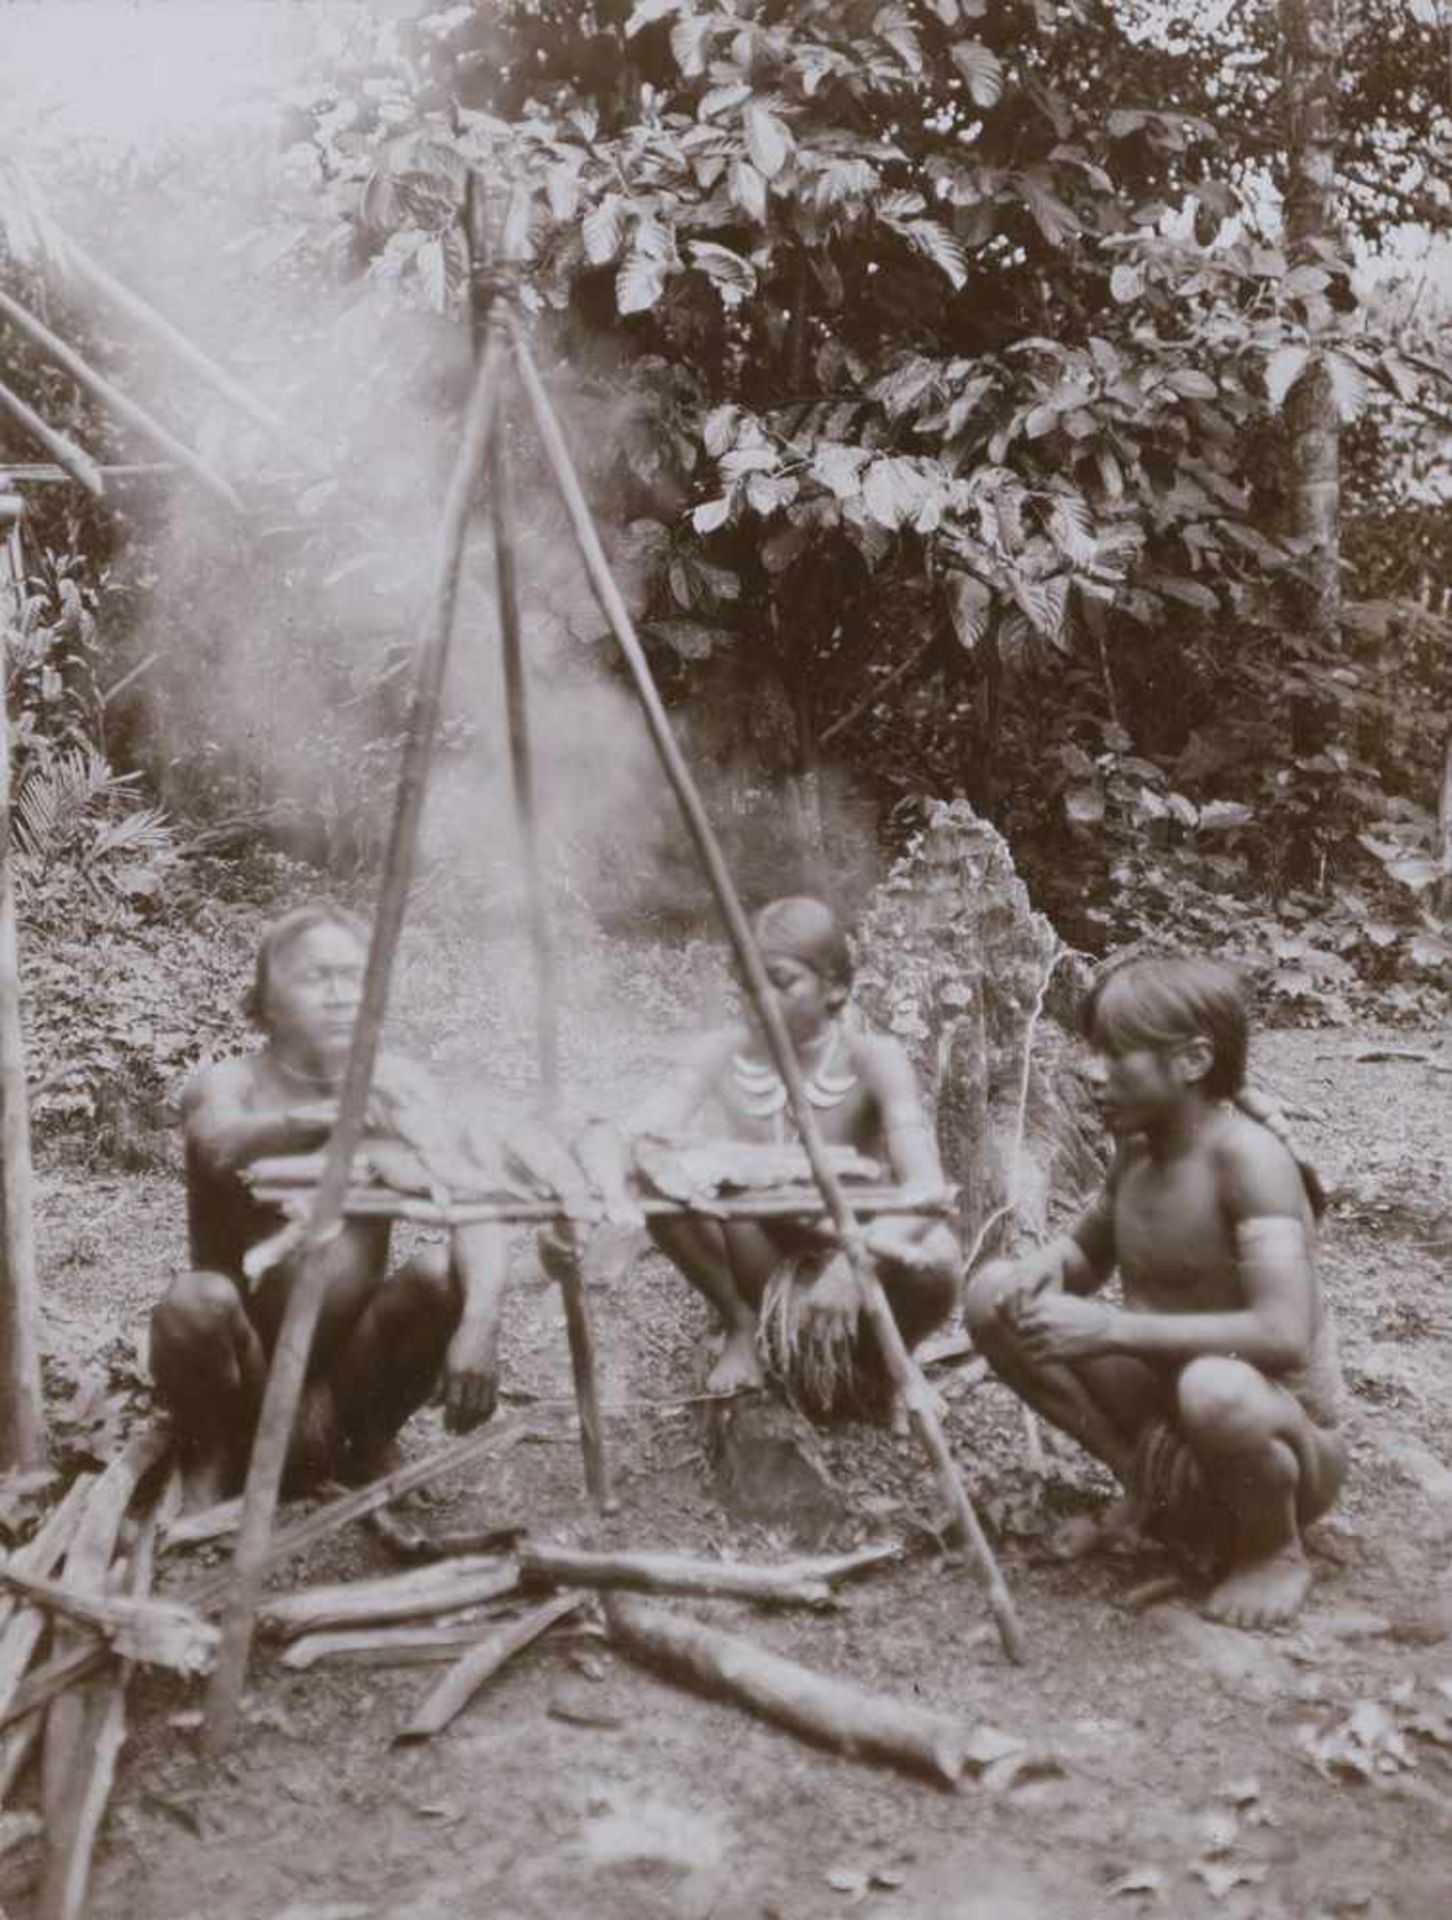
<point>787,1296</point>
<point>1211,1393</point>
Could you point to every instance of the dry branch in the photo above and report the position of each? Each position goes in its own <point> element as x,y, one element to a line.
<point>76,1664</point>
<point>405,1646</point>
<point>71,1836</point>
<point>835,1713</point>
<point>397,1596</point>
<point>805,1583</point>
<point>481,1663</point>
<point>87,1565</point>
<point>420,1548</point>
<point>22,1626</point>
<point>157,1633</point>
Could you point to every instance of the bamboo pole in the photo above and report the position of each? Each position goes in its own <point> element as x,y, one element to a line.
<point>111,396</point>
<point>22,1419</point>
<point>909,1383</point>
<point>80,466</point>
<point>521,760</point>
<point>289,1362</point>
<point>146,316</point>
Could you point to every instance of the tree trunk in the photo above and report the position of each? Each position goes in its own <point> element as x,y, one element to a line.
<point>955,961</point>
<point>1310,39</point>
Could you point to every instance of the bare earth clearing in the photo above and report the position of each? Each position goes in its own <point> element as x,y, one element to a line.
<point>578,1783</point>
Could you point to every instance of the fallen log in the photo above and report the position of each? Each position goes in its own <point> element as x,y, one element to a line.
<point>154,1633</point>
<point>806,1583</point>
<point>67,1669</point>
<point>399,1596</point>
<point>70,1840</point>
<point>835,1713</point>
<point>481,1663</point>
<point>405,1646</point>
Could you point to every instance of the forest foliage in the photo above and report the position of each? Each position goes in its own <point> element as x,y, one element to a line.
<point>929,363</point>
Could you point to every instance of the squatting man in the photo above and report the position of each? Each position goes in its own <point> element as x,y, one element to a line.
<point>382,1339</point>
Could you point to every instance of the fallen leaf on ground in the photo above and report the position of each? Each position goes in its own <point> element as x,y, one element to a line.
<point>1220,1880</point>
<point>1139,1880</point>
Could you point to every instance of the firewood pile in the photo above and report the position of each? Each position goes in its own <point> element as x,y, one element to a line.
<point>80,1614</point>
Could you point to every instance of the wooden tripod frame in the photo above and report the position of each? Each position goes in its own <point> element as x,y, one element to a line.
<point>482,447</point>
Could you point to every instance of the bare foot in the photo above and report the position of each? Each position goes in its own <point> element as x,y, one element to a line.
<point>1120,1525</point>
<point>739,1369</point>
<point>1266,1592</point>
<point>899,1419</point>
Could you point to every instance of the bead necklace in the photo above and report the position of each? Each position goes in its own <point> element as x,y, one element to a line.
<point>762,1091</point>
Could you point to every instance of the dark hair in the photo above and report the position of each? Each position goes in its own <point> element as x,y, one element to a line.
<point>284,933</point>
<point>1165,1000</point>
<point>808,930</point>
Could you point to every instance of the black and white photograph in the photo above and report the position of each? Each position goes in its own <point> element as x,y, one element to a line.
<point>726,959</point>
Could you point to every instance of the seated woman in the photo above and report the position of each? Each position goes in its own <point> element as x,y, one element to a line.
<point>786,1294</point>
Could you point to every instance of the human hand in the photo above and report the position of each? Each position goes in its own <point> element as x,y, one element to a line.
<point>471,1384</point>
<point>1057,1326</point>
<point>834,1299</point>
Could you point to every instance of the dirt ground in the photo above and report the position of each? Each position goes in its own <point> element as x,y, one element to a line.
<point>1201,1770</point>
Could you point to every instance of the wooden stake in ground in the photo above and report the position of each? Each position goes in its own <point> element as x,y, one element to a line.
<point>113,398</point>
<point>22,1422</point>
<point>833,1712</point>
<point>294,1344</point>
<point>908,1382</point>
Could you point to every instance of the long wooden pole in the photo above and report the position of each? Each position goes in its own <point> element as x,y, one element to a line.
<point>80,466</point>
<point>521,761</point>
<point>572,1280</point>
<point>146,316</point>
<point>22,1421</point>
<point>905,1376</point>
<point>289,1362</point>
<point>111,396</point>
